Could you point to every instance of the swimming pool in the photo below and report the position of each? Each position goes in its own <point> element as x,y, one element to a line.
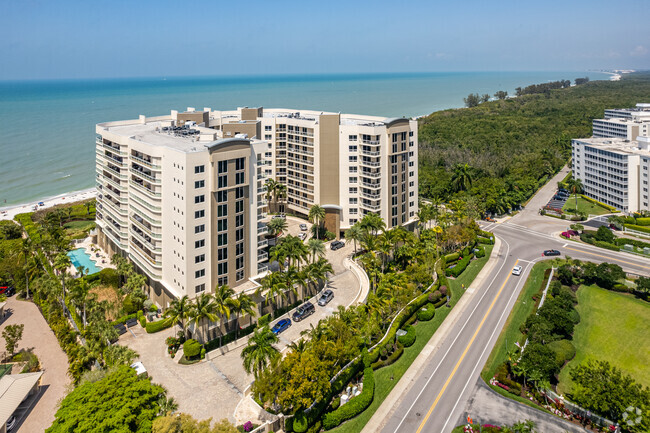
<point>80,257</point>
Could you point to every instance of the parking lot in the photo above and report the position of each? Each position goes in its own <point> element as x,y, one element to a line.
<point>558,200</point>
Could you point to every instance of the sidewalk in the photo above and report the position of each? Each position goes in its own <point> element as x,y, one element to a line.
<point>385,411</point>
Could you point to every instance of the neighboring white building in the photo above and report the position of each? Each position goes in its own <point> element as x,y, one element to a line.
<point>627,113</point>
<point>183,196</point>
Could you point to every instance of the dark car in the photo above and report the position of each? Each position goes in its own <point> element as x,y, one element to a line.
<point>551,253</point>
<point>304,311</point>
<point>336,245</point>
<point>11,423</point>
<point>613,227</point>
<point>7,290</point>
<point>325,297</point>
<point>281,326</point>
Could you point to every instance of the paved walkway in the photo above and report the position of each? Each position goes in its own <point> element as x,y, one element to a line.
<point>54,362</point>
<point>395,397</point>
<point>488,407</point>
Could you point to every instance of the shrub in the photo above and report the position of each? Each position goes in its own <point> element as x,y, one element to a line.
<point>607,245</point>
<point>191,348</point>
<point>202,352</point>
<point>141,319</point>
<point>109,277</point>
<point>123,319</point>
<point>485,241</point>
<point>638,228</point>
<point>426,313</point>
<point>621,288</point>
<point>128,305</point>
<point>264,320</point>
<point>389,360</point>
<point>643,221</point>
<point>563,349</point>
<point>449,258</point>
<point>158,326</point>
<point>434,296</point>
<point>480,252</point>
<point>354,407</point>
<point>443,290</point>
<point>460,266</point>
<point>409,338</point>
<point>300,422</point>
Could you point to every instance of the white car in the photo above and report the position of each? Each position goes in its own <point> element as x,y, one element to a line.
<point>516,270</point>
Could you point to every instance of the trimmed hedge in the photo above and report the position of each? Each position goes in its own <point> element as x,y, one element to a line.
<point>191,348</point>
<point>123,319</point>
<point>607,245</point>
<point>480,252</point>
<point>622,241</point>
<point>392,358</point>
<point>451,257</point>
<point>158,326</point>
<point>409,338</point>
<point>354,407</point>
<point>485,234</point>
<point>141,319</point>
<point>426,313</point>
<point>460,267</point>
<point>228,338</point>
<point>638,228</point>
<point>643,221</point>
<point>484,241</point>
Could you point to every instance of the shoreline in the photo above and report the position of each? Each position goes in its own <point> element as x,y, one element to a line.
<point>9,212</point>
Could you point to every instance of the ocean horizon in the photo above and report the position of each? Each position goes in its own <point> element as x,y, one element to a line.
<point>48,144</point>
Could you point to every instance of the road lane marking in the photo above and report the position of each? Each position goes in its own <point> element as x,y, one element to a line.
<point>564,246</point>
<point>457,334</point>
<point>469,345</point>
<point>608,257</point>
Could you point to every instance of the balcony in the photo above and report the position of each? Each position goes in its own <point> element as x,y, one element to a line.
<point>368,163</point>
<point>370,195</point>
<point>149,206</point>
<point>115,208</point>
<point>144,226</point>
<point>143,253</point>
<point>376,185</point>
<point>262,244</point>
<point>113,182</point>
<point>372,142</point>
<point>262,229</point>
<point>112,148</point>
<point>370,152</point>
<point>145,162</point>
<point>263,256</point>
<point>143,175</point>
<point>261,203</point>
<point>372,174</point>
<point>371,207</point>
<point>261,216</point>
<point>300,170</point>
<point>144,189</point>
<point>113,237</point>
<point>147,243</point>
<point>150,220</point>
<point>262,267</point>
<point>114,172</point>
<point>261,190</point>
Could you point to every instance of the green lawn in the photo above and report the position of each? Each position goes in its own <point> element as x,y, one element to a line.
<point>613,327</point>
<point>584,206</point>
<point>80,225</point>
<point>387,377</point>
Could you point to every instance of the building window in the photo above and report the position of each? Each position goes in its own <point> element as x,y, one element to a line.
<point>222,167</point>
<point>352,149</point>
<point>240,178</point>
<point>199,184</point>
<point>199,244</point>
<point>199,199</point>
<point>199,213</point>
<point>239,235</point>
<point>352,137</point>
<point>239,192</point>
<point>222,239</point>
<point>222,281</point>
<point>240,275</point>
<point>222,181</point>
<point>268,137</point>
<point>200,258</point>
<point>354,211</point>
<point>353,179</point>
<point>239,248</point>
<point>352,158</point>
<point>199,288</point>
<point>239,220</point>
<point>353,168</point>
<point>352,190</point>
<point>199,169</point>
<point>239,206</point>
<point>222,268</point>
<point>267,127</point>
<point>240,163</point>
<point>352,221</point>
<point>199,228</point>
<point>239,262</point>
<point>200,273</point>
<point>222,225</point>
<point>353,200</point>
<point>222,254</point>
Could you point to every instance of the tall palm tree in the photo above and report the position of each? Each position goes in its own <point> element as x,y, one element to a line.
<point>295,250</point>
<point>461,180</point>
<point>223,302</point>
<point>317,216</point>
<point>277,226</point>
<point>273,286</point>
<point>280,195</point>
<point>179,311</point>
<point>575,186</point>
<point>354,233</point>
<point>242,304</point>
<point>204,308</point>
<point>31,270</point>
<point>61,264</point>
<point>316,247</point>
<point>320,269</point>
<point>81,296</point>
<point>271,187</point>
<point>259,351</point>
<point>373,223</point>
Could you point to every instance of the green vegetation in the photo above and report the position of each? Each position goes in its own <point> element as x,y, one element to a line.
<point>584,206</point>
<point>513,146</point>
<point>119,401</point>
<point>184,423</point>
<point>614,328</point>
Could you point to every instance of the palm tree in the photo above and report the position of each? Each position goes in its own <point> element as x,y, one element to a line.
<point>271,188</point>
<point>299,346</point>
<point>461,180</point>
<point>166,406</point>
<point>80,294</point>
<point>31,271</point>
<point>61,264</point>
<point>280,195</point>
<point>204,308</point>
<point>316,216</point>
<point>223,302</point>
<point>320,270</point>
<point>373,223</point>
<point>295,250</point>
<point>316,247</point>
<point>179,311</point>
<point>277,226</point>
<point>354,233</point>
<point>575,186</point>
<point>259,351</point>
<point>273,286</point>
<point>242,304</point>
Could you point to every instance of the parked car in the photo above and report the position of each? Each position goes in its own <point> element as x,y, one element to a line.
<point>613,227</point>
<point>7,290</point>
<point>303,227</point>
<point>516,270</point>
<point>302,236</point>
<point>280,215</point>
<point>489,219</point>
<point>336,245</point>
<point>11,423</point>
<point>325,297</point>
<point>281,326</point>
<point>551,253</point>
<point>304,311</point>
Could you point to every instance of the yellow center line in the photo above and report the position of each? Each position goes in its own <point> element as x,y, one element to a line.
<point>453,372</point>
<point>606,257</point>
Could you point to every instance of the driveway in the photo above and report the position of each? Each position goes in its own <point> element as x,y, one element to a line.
<point>55,381</point>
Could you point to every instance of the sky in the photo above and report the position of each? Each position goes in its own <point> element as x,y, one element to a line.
<point>117,38</point>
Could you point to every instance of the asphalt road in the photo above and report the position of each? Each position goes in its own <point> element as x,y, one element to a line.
<point>437,396</point>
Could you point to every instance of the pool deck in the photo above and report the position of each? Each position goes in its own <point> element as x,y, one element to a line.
<point>102,262</point>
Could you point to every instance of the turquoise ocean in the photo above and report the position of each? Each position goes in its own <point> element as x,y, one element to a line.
<point>47,145</point>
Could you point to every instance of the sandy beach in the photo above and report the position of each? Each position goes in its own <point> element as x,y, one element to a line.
<point>8,213</point>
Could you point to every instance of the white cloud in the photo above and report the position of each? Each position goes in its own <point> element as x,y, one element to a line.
<point>639,51</point>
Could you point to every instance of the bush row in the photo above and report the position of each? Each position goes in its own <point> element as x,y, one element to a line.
<point>158,326</point>
<point>407,339</point>
<point>355,406</point>
<point>228,338</point>
<point>642,221</point>
<point>622,241</point>
<point>390,359</point>
<point>107,277</point>
<point>449,258</point>
<point>460,267</point>
<point>282,310</point>
<point>638,228</point>
<point>123,319</point>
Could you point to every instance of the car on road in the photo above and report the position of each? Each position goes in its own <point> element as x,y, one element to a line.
<point>516,270</point>
<point>551,253</point>
<point>304,311</point>
<point>280,215</point>
<point>7,290</point>
<point>491,220</point>
<point>303,227</point>
<point>281,326</point>
<point>325,297</point>
<point>336,245</point>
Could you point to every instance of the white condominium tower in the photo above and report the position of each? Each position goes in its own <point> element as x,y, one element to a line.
<point>183,196</point>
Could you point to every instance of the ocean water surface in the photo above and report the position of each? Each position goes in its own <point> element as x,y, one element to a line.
<point>47,144</point>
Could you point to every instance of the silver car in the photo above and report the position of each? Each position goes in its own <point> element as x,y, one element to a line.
<point>325,297</point>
